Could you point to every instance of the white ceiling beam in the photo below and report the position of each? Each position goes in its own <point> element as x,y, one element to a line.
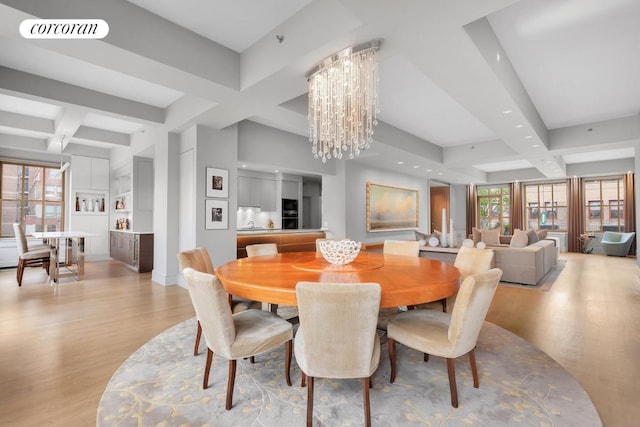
<point>89,134</point>
<point>157,39</point>
<point>23,142</point>
<point>28,123</point>
<point>14,82</point>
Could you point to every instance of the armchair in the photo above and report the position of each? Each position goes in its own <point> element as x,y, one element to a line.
<point>617,244</point>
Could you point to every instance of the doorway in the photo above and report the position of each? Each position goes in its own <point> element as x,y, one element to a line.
<point>438,200</point>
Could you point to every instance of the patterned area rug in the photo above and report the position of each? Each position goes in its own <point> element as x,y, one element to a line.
<point>161,385</point>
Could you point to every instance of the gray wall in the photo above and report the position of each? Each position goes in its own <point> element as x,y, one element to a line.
<point>357,177</point>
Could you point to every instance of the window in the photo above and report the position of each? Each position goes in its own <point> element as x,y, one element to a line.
<point>615,209</point>
<point>604,201</point>
<point>493,208</point>
<point>546,206</point>
<point>31,195</point>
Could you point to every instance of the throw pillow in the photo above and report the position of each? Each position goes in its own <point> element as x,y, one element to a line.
<point>519,239</point>
<point>533,237</point>
<point>542,234</point>
<point>477,235</point>
<point>491,237</point>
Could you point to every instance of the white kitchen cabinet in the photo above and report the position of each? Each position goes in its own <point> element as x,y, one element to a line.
<point>290,189</point>
<point>89,203</point>
<point>268,195</point>
<point>132,189</point>
<point>90,173</point>
<point>257,193</point>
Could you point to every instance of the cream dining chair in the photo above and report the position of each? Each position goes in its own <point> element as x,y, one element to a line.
<point>401,247</point>
<point>36,255</point>
<point>262,249</point>
<point>337,335</point>
<point>199,260</point>
<point>447,335</point>
<point>471,261</point>
<point>234,335</point>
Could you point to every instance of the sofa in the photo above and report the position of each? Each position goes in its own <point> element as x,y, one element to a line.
<point>527,264</point>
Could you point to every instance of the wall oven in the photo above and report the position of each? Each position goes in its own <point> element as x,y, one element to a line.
<point>289,214</point>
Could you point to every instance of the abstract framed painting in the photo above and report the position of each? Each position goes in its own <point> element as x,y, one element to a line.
<point>391,208</point>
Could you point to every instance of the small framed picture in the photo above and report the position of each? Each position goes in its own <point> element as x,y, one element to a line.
<point>217,183</point>
<point>216,214</point>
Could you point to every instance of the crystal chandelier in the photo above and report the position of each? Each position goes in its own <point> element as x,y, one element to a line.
<point>343,101</point>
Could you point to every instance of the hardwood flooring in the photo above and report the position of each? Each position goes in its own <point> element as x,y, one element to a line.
<point>59,345</point>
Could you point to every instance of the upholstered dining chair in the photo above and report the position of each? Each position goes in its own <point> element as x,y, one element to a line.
<point>36,255</point>
<point>447,335</point>
<point>471,261</point>
<point>401,247</point>
<point>199,259</point>
<point>234,335</point>
<point>260,249</point>
<point>337,335</point>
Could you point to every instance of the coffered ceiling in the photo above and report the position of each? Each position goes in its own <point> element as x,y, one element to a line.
<point>470,91</point>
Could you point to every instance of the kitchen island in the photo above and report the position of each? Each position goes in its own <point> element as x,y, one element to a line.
<point>287,240</point>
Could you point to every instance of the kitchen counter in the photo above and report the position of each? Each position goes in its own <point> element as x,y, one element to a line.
<point>254,231</point>
<point>286,240</point>
<point>131,231</point>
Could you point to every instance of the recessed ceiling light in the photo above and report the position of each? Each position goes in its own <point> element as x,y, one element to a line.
<point>416,166</point>
<point>400,163</point>
<point>276,171</point>
<point>429,170</point>
<point>528,137</point>
<point>520,126</point>
<point>439,173</point>
<point>507,112</point>
<point>498,56</point>
<point>536,145</point>
<point>244,166</point>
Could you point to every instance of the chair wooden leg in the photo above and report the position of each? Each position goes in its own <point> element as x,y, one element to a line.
<point>366,384</point>
<point>444,305</point>
<point>252,359</point>
<point>230,383</point>
<point>230,300</point>
<point>451,369</point>
<point>207,368</point>
<point>198,336</point>
<point>425,357</point>
<point>474,368</point>
<point>310,402</point>
<point>392,358</point>
<point>20,271</point>
<point>303,379</point>
<point>287,361</point>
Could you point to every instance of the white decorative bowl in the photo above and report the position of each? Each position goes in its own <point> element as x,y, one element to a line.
<point>339,252</point>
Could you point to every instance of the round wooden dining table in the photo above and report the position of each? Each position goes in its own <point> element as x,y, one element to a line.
<point>404,280</point>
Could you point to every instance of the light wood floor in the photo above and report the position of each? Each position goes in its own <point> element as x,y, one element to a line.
<point>60,345</point>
